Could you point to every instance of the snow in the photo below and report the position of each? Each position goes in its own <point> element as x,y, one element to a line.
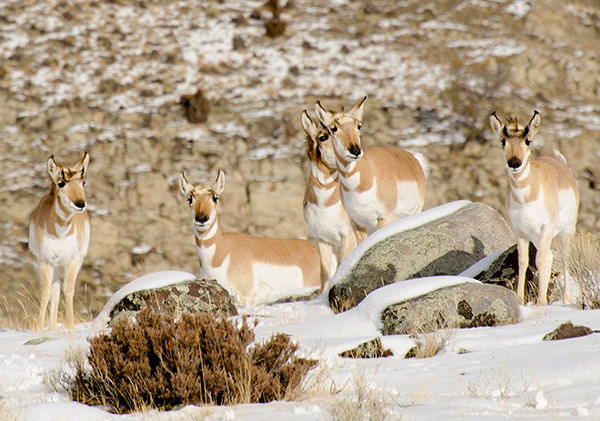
<point>150,281</point>
<point>400,225</point>
<point>491,373</point>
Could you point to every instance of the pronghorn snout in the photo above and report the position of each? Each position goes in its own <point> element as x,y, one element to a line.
<point>514,162</point>
<point>355,150</point>
<point>80,204</point>
<point>201,218</point>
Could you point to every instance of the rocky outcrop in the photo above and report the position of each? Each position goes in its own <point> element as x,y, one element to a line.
<point>445,245</point>
<point>194,296</point>
<point>567,331</point>
<point>460,306</point>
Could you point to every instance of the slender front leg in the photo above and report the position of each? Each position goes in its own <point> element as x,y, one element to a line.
<point>46,275</point>
<point>348,244</point>
<point>382,222</point>
<point>544,264</point>
<point>523,251</point>
<point>69,291</point>
<point>359,233</point>
<point>565,242</point>
<point>325,259</point>
<point>54,298</point>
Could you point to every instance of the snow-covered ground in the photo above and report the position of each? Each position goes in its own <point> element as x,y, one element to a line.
<point>491,372</point>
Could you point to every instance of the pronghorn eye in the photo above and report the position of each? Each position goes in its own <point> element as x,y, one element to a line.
<point>503,141</point>
<point>323,138</point>
<point>84,183</point>
<point>528,142</point>
<point>190,200</point>
<point>61,184</point>
<point>333,129</point>
<point>215,199</point>
<point>359,127</point>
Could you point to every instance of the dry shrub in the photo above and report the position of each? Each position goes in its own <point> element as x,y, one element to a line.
<point>275,26</point>
<point>160,362</point>
<point>583,263</point>
<point>367,403</point>
<point>429,344</point>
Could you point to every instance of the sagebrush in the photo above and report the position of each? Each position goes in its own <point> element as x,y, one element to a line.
<point>583,263</point>
<point>160,362</point>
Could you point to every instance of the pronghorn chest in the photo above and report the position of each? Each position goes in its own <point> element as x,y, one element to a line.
<point>327,223</point>
<point>209,270</point>
<point>363,207</point>
<point>62,248</point>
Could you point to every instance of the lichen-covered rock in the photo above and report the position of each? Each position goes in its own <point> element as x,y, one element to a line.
<point>444,246</point>
<point>459,306</point>
<point>305,294</point>
<point>193,296</point>
<point>369,349</point>
<point>504,271</point>
<point>567,331</point>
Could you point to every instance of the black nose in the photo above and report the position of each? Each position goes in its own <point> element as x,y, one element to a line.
<point>202,218</point>
<point>355,150</point>
<point>514,162</point>
<point>79,203</point>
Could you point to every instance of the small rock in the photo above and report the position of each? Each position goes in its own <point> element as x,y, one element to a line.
<point>566,331</point>
<point>238,43</point>
<point>195,107</point>
<point>369,349</point>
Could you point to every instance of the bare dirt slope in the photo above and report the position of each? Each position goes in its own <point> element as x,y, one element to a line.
<point>107,77</point>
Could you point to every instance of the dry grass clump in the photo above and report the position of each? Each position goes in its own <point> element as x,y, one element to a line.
<point>429,344</point>
<point>583,263</point>
<point>162,363</point>
<point>275,25</point>
<point>365,403</point>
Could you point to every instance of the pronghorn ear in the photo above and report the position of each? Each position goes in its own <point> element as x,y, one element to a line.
<point>357,111</point>
<point>53,169</point>
<point>495,123</point>
<point>82,164</point>
<point>534,123</point>
<point>308,125</point>
<point>185,187</point>
<point>324,116</point>
<point>219,184</point>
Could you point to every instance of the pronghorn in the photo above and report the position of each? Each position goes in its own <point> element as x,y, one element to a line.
<point>324,213</point>
<point>59,235</point>
<point>542,202</point>
<point>251,268</point>
<point>379,184</point>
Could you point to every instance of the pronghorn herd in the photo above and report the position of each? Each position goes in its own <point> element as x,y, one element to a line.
<point>351,192</point>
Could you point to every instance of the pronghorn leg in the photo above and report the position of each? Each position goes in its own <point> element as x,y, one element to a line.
<point>348,244</point>
<point>325,259</point>
<point>382,222</point>
<point>544,265</point>
<point>54,298</point>
<point>69,291</point>
<point>565,241</point>
<point>359,233</point>
<point>523,251</point>
<point>46,275</point>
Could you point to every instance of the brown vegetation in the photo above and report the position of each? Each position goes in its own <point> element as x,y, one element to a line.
<point>159,362</point>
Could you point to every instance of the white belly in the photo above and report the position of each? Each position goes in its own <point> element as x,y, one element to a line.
<point>327,224</point>
<point>271,280</point>
<point>531,218</point>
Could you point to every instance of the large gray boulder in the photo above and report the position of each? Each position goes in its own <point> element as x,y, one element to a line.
<point>441,241</point>
<point>459,306</point>
<point>171,293</point>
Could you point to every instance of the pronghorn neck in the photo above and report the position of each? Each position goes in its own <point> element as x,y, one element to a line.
<point>207,243</point>
<point>520,182</point>
<point>323,176</point>
<point>59,219</point>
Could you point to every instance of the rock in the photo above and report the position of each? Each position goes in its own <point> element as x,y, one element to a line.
<point>460,306</point>
<point>369,349</point>
<point>238,43</point>
<point>194,296</point>
<point>504,271</point>
<point>445,244</point>
<point>566,331</point>
<point>305,294</point>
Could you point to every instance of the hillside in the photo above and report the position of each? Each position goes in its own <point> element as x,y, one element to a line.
<point>107,77</point>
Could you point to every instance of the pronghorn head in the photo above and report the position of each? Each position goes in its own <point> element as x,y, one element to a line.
<point>202,200</point>
<point>318,142</point>
<point>69,182</point>
<point>516,140</point>
<point>344,129</point>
